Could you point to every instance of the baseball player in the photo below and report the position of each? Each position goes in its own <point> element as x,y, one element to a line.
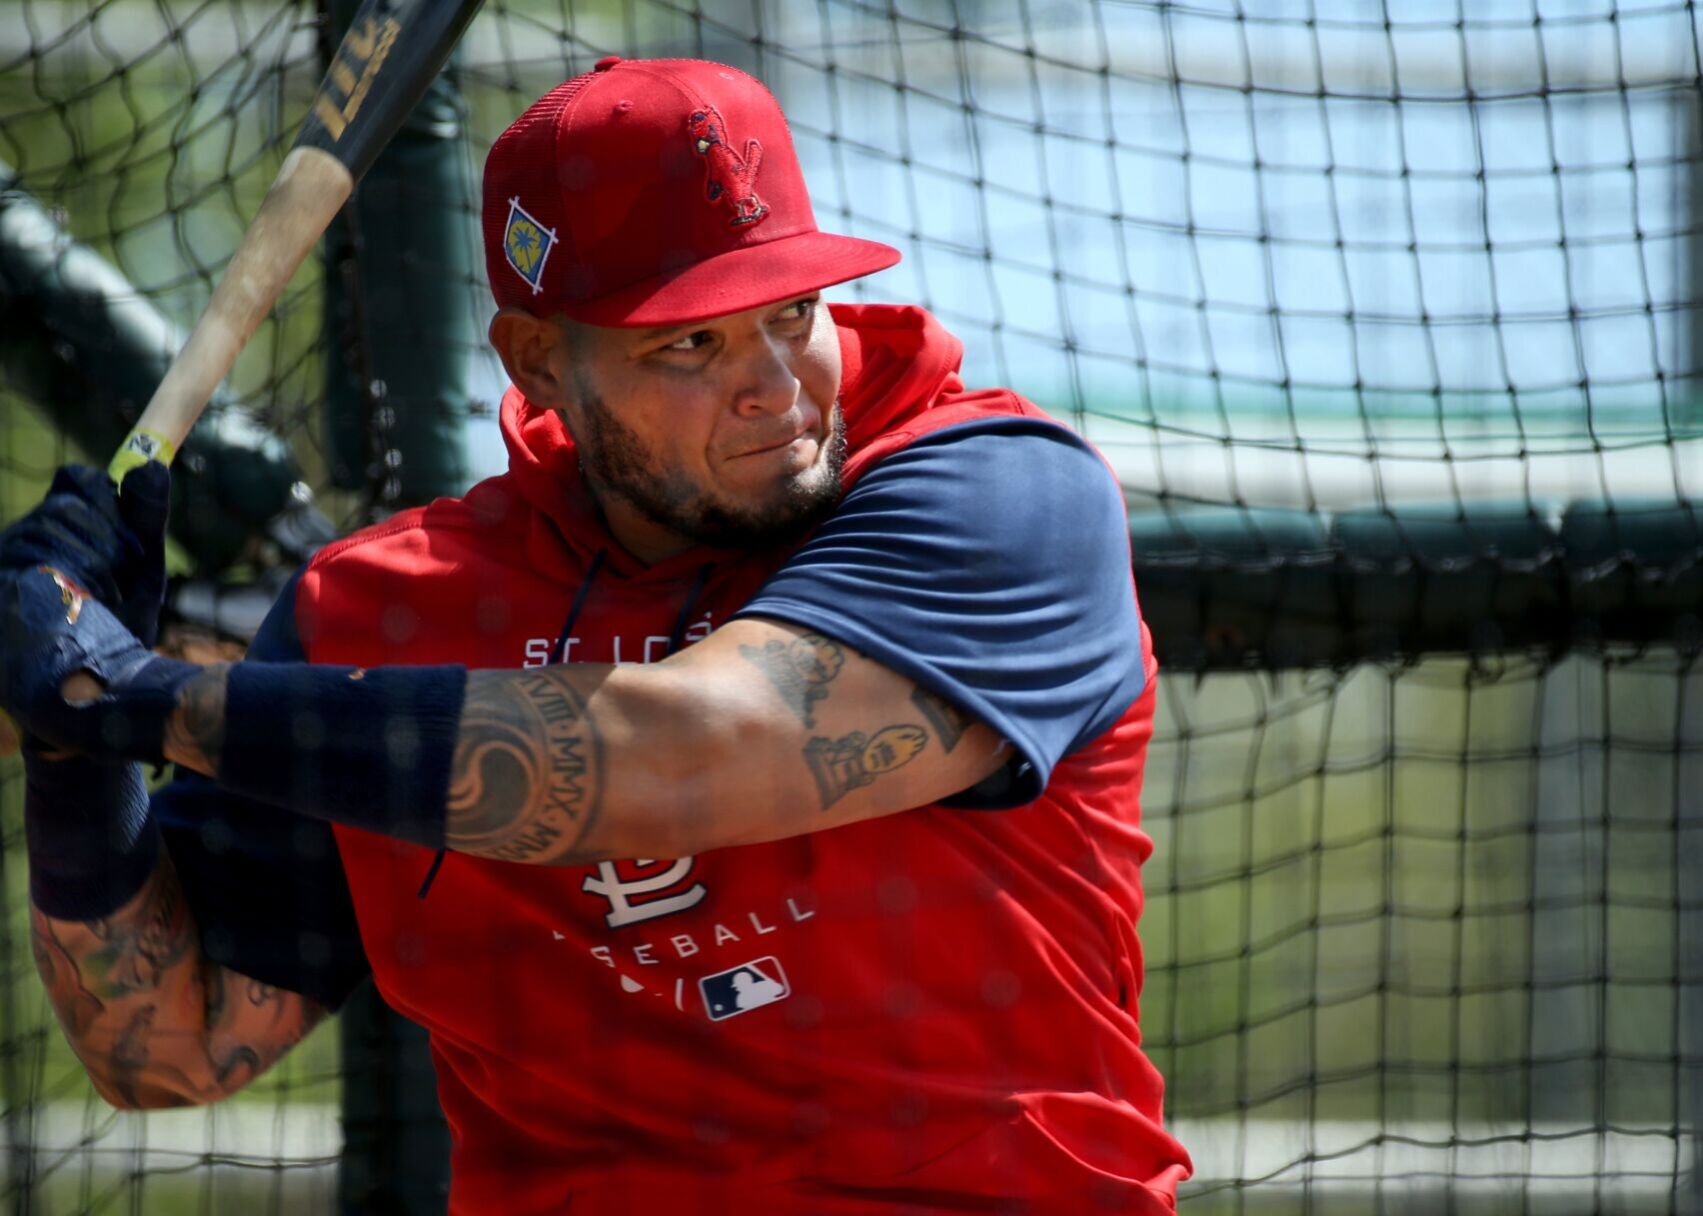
<point>741,789</point>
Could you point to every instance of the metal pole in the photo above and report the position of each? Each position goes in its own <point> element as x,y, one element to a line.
<point>401,330</point>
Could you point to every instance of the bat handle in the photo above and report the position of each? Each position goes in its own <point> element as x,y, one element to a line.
<point>311,187</point>
<point>139,447</point>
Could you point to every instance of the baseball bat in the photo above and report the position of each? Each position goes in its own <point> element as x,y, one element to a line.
<point>392,51</point>
<point>390,54</point>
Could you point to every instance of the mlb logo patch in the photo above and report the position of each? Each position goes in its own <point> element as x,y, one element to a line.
<point>527,245</point>
<point>743,988</point>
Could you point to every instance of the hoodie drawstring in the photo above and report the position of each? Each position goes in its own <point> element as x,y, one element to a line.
<point>678,633</point>
<point>560,649</point>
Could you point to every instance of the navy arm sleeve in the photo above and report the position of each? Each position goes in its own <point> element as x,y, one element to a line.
<point>989,563</point>
<point>267,887</point>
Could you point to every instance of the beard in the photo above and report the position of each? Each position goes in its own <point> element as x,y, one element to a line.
<point>617,461</point>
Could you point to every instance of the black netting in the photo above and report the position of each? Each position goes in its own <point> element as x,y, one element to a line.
<point>1387,318</point>
<point>1429,936</point>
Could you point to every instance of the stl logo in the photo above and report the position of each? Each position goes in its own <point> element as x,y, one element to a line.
<point>648,890</point>
<point>527,245</point>
<point>741,989</point>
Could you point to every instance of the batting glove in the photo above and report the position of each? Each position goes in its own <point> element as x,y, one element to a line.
<point>110,542</point>
<point>50,629</point>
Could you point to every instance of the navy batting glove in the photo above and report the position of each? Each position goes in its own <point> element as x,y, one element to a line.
<point>90,838</point>
<point>109,542</point>
<point>50,629</point>
<point>144,502</point>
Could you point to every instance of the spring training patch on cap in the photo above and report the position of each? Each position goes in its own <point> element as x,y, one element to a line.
<point>527,245</point>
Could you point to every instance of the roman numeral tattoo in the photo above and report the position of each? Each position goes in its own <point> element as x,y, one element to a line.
<point>800,670</point>
<point>526,780</point>
<point>856,760</point>
<point>948,720</point>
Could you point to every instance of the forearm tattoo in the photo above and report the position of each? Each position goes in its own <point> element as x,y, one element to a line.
<point>78,1007</point>
<point>131,1053</point>
<point>526,781</point>
<point>800,669</point>
<point>948,720</point>
<point>195,732</point>
<point>856,760</point>
<point>151,1019</point>
<point>137,949</point>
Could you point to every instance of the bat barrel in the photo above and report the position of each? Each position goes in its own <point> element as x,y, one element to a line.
<point>385,61</point>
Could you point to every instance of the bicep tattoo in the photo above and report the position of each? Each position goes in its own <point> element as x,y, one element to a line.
<point>800,669</point>
<point>526,780</point>
<point>948,720</point>
<point>856,760</point>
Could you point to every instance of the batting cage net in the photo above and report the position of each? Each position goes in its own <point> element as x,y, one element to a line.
<point>1387,318</point>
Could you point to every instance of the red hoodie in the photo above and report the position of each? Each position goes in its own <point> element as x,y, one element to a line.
<point>935,1009</point>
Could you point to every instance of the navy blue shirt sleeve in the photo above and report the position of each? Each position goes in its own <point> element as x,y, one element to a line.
<point>989,563</point>
<point>267,887</point>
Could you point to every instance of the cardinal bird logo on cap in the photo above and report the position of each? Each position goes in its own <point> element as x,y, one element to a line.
<point>728,177</point>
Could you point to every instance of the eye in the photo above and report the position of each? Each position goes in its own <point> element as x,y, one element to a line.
<point>799,310</point>
<point>692,341</point>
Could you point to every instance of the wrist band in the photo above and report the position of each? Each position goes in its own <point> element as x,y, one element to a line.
<point>367,747</point>
<point>90,839</point>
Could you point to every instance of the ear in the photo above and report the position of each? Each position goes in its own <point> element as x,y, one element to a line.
<point>534,353</point>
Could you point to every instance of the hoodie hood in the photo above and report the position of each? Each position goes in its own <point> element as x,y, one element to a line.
<point>897,363</point>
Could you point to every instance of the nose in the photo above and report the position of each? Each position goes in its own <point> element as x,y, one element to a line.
<point>768,385</point>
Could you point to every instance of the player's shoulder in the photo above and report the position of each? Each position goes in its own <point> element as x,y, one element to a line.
<point>1003,455</point>
<point>960,425</point>
<point>414,555</point>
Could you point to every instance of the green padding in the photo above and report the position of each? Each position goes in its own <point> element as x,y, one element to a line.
<point>1228,533</point>
<point>1237,587</point>
<point>1650,533</point>
<point>1231,586</point>
<point>1636,570</point>
<point>1503,533</point>
<point>1480,579</point>
<point>404,309</point>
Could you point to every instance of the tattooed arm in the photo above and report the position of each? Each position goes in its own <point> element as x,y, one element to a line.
<point>761,731</point>
<point>153,1022</point>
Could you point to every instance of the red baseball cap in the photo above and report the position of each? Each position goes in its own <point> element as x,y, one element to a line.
<point>656,191</point>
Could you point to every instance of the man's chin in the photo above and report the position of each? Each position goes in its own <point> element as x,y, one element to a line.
<point>773,526</point>
<point>778,511</point>
<point>787,513</point>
